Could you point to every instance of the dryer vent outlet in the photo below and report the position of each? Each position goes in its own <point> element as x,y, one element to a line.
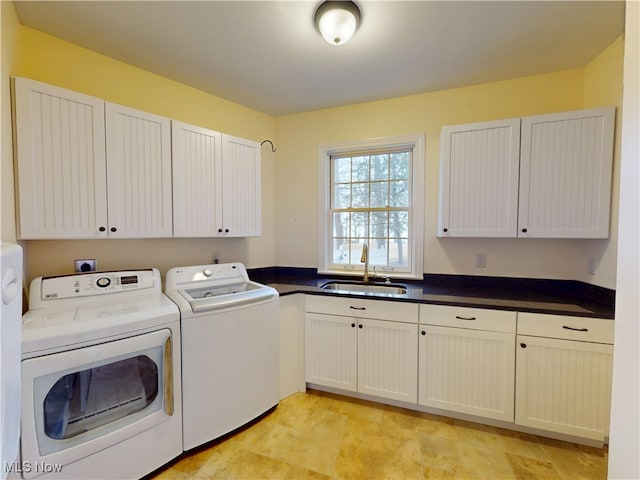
<point>85,265</point>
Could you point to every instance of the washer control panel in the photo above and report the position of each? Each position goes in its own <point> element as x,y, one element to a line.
<point>96,283</point>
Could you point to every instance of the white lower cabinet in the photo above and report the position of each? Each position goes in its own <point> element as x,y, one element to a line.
<point>563,375</point>
<point>345,349</point>
<point>467,360</point>
<point>387,359</point>
<point>331,351</point>
<point>551,373</point>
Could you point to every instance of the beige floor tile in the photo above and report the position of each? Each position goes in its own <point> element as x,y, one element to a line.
<point>326,436</point>
<point>533,469</point>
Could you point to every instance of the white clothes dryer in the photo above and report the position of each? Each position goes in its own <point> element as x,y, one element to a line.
<point>101,376</point>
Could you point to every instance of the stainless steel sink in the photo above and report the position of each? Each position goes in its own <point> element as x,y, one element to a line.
<point>371,288</point>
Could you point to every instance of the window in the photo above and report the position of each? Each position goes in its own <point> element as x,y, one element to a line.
<point>372,194</point>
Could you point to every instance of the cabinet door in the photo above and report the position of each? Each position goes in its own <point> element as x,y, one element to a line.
<point>565,174</point>
<point>61,171</point>
<point>331,351</point>
<point>138,173</point>
<point>241,188</point>
<point>479,179</point>
<point>467,371</point>
<point>196,157</point>
<point>564,386</point>
<point>388,359</point>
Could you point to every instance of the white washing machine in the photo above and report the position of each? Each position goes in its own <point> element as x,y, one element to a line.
<point>101,379</point>
<point>229,348</point>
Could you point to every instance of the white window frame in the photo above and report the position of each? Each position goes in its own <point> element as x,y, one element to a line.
<point>414,142</point>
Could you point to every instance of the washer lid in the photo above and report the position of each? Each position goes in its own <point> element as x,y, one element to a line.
<point>214,297</point>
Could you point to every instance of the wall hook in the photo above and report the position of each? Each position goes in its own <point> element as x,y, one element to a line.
<point>273,149</point>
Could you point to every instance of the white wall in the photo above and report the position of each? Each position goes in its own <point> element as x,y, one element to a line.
<point>624,460</point>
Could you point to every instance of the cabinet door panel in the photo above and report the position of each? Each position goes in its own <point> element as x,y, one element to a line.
<point>479,179</point>
<point>241,187</point>
<point>331,351</point>
<point>197,199</point>
<point>139,173</point>
<point>387,359</point>
<point>564,386</point>
<point>467,371</point>
<point>61,162</point>
<point>565,174</point>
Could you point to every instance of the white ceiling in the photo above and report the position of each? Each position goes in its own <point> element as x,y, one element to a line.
<point>267,55</point>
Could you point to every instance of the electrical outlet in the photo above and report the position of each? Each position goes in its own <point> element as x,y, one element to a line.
<point>481,260</point>
<point>591,266</point>
<point>85,265</point>
<point>215,258</point>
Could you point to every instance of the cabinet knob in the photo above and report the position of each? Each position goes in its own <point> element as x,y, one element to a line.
<point>523,345</point>
<point>445,230</point>
<point>423,332</point>
<point>219,230</point>
<point>226,230</point>
<point>101,229</point>
<point>114,229</point>
<point>524,230</point>
<point>353,325</point>
<point>360,326</point>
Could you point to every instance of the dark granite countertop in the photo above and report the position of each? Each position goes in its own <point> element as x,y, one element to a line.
<point>559,297</point>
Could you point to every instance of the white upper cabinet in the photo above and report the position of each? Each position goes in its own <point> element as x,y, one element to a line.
<point>197,195</point>
<point>241,188</point>
<point>565,174</point>
<point>138,173</point>
<point>479,179</point>
<point>61,170</point>
<point>546,176</point>
<point>216,183</point>
<point>87,169</point>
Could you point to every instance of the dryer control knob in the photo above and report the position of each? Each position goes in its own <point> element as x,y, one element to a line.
<point>207,272</point>
<point>103,282</point>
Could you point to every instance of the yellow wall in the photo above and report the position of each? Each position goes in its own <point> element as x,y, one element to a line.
<point>8,59</point>
<point>603,86</point>
<point>296,177</point>
<point>48,59</point>
<point>290,179</point>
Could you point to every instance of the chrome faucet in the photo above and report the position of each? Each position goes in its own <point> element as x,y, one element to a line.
<point>365,259</point>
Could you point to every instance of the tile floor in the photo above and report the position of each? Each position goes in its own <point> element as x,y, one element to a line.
<point>325,436</point>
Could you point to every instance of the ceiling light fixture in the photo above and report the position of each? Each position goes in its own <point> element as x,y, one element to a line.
<point>337,21</point>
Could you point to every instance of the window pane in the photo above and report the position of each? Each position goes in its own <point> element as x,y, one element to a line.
<point>342,195</point>
<point>380,167</point>
<point>360,195</point>
<point>399,193</point>
<point>342,170</point>
<point>341,251</point>
<point>399,224</point>
<point>378,252</point>
<point>359,226</point>
<point>360,169</point>
<point>379,225</point>
<point>341,225</point>
<point>379,194</point>
<point>356,252</point>
<point>398,252</point>
<point>399,165</point>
